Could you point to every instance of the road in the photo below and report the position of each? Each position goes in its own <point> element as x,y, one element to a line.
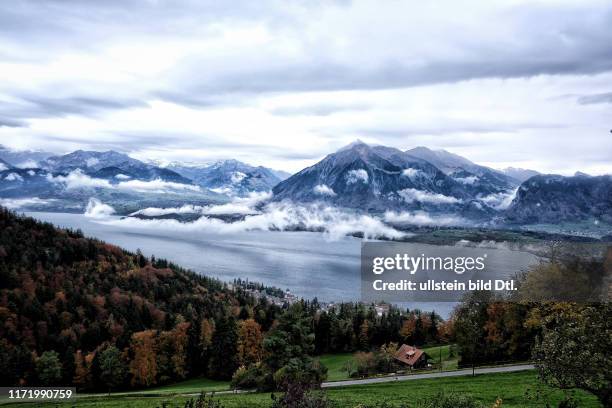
<point>457,373</point>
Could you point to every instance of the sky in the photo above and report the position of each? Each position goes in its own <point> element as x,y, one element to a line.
<point>283,83</point>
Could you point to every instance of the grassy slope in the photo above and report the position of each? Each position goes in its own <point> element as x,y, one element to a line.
<point>335,365</point>
<point>514,388</point>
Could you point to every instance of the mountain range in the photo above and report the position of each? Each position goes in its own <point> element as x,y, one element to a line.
<point>379,178</point>
<point>360,177</point>
<point>67,182</point>
<point>231,177</point>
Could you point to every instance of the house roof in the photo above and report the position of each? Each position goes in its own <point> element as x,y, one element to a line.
<point>408,354</point>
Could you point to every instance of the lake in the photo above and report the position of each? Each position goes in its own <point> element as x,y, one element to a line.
<point>308,263</point>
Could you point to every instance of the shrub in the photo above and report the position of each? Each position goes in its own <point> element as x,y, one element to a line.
<point>298,395</point>
<point>253,377</point>
<point>203,401</point>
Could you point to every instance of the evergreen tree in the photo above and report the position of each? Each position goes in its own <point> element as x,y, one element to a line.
<point>112,368</point>
<point>224,349</point>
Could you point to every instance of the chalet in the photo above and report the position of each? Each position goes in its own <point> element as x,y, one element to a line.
<point>411,356</point>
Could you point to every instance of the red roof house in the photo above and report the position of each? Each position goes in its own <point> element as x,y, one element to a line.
<point>411,356</point>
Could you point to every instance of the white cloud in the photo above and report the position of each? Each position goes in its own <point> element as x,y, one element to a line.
<point>32,173</point>
<point>466,180</point>
<point>422,218</point>
<point>155,186</point>
<point>97,209</point>
<point>28,164</point>
<point>238,205</point>
<point>13,177</point>
<point>324,190</point>
<point>156,211</point>
<point>334,222</point>
<point>411,195</point>
<point>15,203</point>
<point>77,179</point>
<point>499,201</point>
<point>354,176</point>
<point>410,172</point>
<point>122,177</point>
<point>3,167</point>
<point>92,161</point>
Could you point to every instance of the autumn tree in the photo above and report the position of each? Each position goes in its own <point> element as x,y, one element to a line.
<point>180,341</point>
<point>143,366</point>
<point>250,342</point>
<point>364,336</point>
<point>408,328</point>
<point>82,370</point>
<point>207,328</point>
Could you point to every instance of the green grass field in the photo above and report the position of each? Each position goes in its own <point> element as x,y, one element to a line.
<point>448,362</point>
<point>517,390</point>
<point>335,365</point>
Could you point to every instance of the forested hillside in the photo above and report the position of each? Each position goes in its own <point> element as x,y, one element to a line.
<point>66,301</point>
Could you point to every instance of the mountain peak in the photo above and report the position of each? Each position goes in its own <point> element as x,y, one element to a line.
<point>354,144</point>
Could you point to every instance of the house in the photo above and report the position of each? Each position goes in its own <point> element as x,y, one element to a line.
<point>411,356</point>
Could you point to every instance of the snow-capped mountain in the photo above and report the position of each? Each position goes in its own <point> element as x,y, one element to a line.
<point>376,179</point>
<point>68,182</point>
<point>110,165</point>
<point>230,177</point>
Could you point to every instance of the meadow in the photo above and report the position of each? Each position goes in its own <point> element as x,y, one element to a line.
<point>517,390</point>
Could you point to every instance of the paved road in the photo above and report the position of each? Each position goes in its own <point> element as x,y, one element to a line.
<point>488,370</point>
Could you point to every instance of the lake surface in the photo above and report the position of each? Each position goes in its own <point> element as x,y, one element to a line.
<point>307,263</point>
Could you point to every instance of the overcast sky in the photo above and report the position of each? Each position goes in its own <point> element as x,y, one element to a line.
<point>282,83</point>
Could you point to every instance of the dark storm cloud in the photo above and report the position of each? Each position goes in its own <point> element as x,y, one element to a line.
<point>595,98</point>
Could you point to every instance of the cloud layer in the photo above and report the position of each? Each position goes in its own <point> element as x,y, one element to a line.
<point>76,179</point>
<point>335,223</point>
<point>179,80</point>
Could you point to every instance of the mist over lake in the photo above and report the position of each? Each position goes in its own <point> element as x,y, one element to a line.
<point>308,263</point>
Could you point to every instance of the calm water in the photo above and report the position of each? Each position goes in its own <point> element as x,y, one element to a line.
<point>305,262</point>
